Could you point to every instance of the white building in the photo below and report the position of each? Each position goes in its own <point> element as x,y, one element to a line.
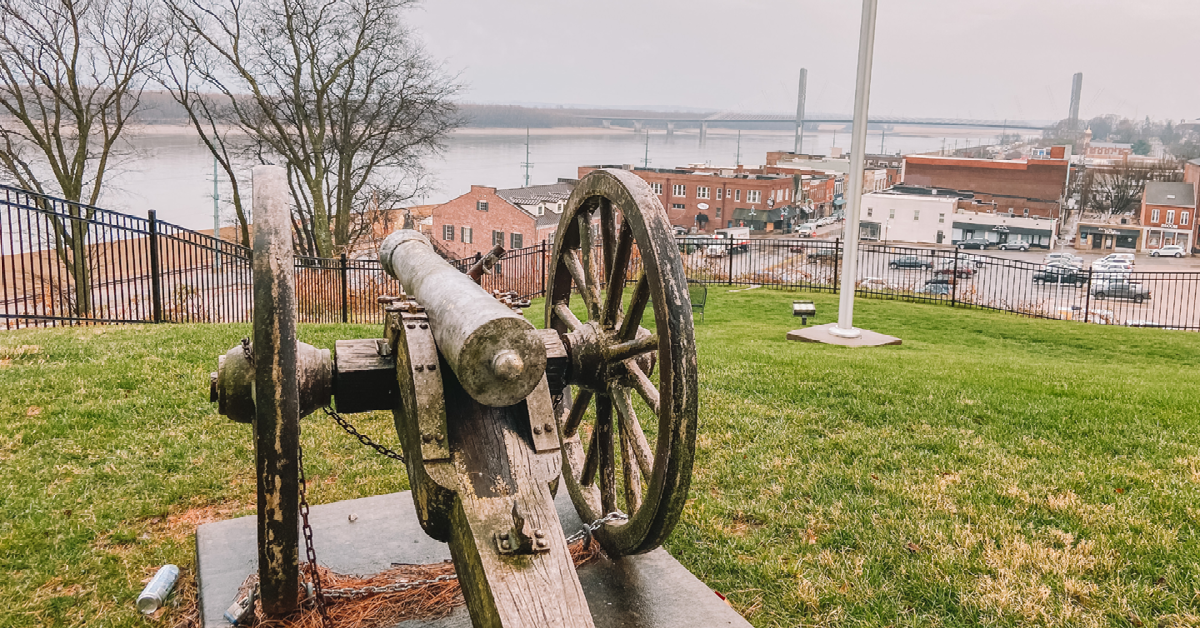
<point>907,217</point>
<point>938,219</point>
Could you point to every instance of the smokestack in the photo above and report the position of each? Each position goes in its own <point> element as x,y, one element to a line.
<point>800,111</point>
<point>1076,92</point>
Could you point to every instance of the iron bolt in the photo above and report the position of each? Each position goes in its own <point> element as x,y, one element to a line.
<point>424,325</point>
<point>428,438</point>
<point>537,430</point>
<point>419,368</point>
<point>549,428</point>
<point>432,367</point>
<point>411,326</point>
<point>539,533</point>
<point>541,542</point>
<point>504,545</point>
<point>503,536</point>
<point>438,437</point>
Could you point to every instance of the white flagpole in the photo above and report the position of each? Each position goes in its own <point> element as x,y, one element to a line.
<point>858,146</point>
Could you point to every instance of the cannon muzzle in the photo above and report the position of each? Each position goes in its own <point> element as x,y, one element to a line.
<point>497,355</point>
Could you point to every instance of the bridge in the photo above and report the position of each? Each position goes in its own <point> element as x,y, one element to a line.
<point>703,121</point>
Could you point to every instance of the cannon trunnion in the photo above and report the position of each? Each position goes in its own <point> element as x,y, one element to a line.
<point>493,415</point>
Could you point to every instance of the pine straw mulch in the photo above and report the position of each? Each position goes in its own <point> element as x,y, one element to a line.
<point>425,601</point>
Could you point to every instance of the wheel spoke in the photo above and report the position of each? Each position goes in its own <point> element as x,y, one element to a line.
<point>587,289</point>
<point>637,307</point>
<point>633,477</point>
<point>608,463</point>
<point>624,350</point>
<point>644,386</point>
<point>607,235</point>
<point>591,462</point>
<point>578,407</point>
<point>616,276</point>
<point>631,430</point>
<point>564,314</point>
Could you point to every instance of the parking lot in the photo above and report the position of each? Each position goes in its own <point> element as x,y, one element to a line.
<point>1002,280</point>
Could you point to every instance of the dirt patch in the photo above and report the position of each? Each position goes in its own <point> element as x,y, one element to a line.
<point>181,525</point>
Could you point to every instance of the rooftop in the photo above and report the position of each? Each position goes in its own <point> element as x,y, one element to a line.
<point>1177,194</point>
<point>535,194</point>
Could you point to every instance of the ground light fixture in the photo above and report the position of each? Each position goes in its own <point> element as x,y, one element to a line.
<point>804,310</point>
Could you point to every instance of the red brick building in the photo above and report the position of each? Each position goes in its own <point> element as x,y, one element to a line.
<point>710,198</point>
<point>479,220</point>
<point>1042,180</point>
<point>1168,215</point>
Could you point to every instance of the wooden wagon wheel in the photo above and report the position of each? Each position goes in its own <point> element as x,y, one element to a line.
<point>613,352</point>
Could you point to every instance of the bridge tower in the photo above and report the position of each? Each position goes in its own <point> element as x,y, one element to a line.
<point>800,111</point>
<point>1076,92</point>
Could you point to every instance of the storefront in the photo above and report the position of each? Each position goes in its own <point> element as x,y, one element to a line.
<point>1156,238</point>
<point>1107,237</point>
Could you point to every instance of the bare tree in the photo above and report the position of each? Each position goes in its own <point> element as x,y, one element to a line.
<point>1117,189</point>
<point>71,76</point>
<point>337,90</point>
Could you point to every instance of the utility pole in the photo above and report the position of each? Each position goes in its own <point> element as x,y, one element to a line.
<point>882,139</point>
<point>738,158</point>
<point>527,165</point>
<point>216,217</point>
<point>646,159</point>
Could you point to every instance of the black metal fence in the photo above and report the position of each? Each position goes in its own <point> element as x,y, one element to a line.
<point>67,263</point>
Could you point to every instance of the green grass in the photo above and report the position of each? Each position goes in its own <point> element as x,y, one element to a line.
<point>991,470</point>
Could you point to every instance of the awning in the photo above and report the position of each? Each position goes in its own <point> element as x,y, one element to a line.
<point>838,202</point>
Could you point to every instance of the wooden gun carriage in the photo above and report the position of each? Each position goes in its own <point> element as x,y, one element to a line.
<point>494,416</point>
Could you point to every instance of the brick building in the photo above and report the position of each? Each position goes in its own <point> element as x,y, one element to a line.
<point>484,217</point>
<point>1168,215</point>
<point>1040,181</point>
<point>709,198</point>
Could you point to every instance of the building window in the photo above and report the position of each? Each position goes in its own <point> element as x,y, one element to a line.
<point>916,214</point>
<point>753,196</point>
<point>701,192</point>
<point>517,240</point>
<point>1170,216</point>
<point>1026,212</point>
<point>941,218</point>
<point>719,190</point>
<point>678,206</point>
<point>718,212</point>
<point>870,212</point>
<point>657,187</point>
<point>466,235</point>
<point>481,205</point>
<point>891,213</point>
<point>1154,215</point>
<point>678,190</point>
<point>497,238</point>
<point>1183,219</point>
<point>448,232</point>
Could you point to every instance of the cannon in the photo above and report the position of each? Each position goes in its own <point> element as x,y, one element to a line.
<point>494,416</point>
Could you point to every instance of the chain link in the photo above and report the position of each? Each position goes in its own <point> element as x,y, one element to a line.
<point>352,593</point>
<point>362,438</point>
<point>309,550</point>
<point>246,351</point>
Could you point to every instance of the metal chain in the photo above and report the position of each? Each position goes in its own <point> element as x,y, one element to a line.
<point>362,438</point>
<point>310,552</point>
<point>352,593</point>
<point>246,351</point>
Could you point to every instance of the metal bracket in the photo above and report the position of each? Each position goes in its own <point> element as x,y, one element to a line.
<point>521,539</point>
<point>417,358</point>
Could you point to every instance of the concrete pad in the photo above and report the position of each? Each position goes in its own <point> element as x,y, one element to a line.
<point>821,334</point>
<point>648,591</point>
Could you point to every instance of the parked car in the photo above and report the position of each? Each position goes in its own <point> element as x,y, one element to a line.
<point>810,226</point>
<point>935,289</point>
<point>948,267</point>
<point>974,243</point>
<point>805,231</point>
<point>977,261</point>
<point>1064,257</point>
<point>1060,273</point>
<point>827,252</point>
<point>909,261</point>
<point>828,220</point>
<point>1170,250</point>
<point>1014,245</point>
<point>1120,289</point>
<point>874,284</point>
<point>1119,257</point>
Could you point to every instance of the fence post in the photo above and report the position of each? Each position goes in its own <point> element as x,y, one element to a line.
<point>954,281</point>
<point>729,251</point>
<point>543,273</point>
<point>837,258</point>
<point>1087,298</point>
<point>345,290</point>
<point>155,270</point>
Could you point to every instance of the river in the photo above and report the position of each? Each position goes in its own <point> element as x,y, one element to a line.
<point>168,169</point>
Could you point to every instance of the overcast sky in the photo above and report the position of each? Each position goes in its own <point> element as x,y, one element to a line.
<point>990,59</point>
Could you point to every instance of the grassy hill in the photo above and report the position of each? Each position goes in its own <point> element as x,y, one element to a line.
<point>992,469</point>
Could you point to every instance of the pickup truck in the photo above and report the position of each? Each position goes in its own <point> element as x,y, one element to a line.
<point>729,240</point>
<point>1120,289</point>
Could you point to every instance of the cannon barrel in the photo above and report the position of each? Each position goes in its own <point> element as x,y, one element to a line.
<point>497,355</point>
